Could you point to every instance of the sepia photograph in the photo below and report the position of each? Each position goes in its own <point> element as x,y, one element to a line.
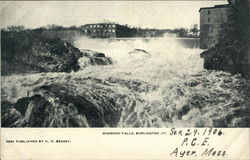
<point>125,64</point>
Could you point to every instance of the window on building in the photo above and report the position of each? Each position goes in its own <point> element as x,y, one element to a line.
<point>113,25</point>
<point>208,12</point>
<point>208,19</point>
<point>113,30</point>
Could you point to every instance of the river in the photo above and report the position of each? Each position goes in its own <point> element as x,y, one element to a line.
<point>160,81</point>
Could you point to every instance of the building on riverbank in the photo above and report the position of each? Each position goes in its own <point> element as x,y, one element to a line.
<point>211,21</point>
<point>232,54</point>
<point>107,30</point>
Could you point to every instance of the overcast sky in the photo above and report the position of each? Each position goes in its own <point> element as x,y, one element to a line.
<point>151,14</point>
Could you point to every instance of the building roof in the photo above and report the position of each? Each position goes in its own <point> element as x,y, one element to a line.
<point>216,6</point>
<point>99,23</point>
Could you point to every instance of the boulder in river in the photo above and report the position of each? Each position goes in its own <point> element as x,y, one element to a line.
<point>93,58</point>
<point>139,51</point>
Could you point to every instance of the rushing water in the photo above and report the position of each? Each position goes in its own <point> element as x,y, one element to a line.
<point>162,80</point>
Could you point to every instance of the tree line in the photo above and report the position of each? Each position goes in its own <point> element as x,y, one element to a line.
<point>138,31</point>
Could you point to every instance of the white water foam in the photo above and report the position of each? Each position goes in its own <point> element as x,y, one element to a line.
<point>173,91</point>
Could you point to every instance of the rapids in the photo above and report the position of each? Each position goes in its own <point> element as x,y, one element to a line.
<point>157,82</point>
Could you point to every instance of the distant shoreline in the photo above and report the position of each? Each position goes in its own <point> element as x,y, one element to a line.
<point>134,38</point>
<point>149,38</point>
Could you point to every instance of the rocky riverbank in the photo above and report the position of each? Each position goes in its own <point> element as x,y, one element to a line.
<point>233,58</point>
<point>56,106</point>
<point>29,51</point>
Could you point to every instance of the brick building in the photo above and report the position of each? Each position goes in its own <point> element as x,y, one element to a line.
<point>211,20</point>
<point>107,30</point>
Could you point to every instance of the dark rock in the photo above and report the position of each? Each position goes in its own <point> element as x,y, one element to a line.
<point>134,85</point>
<point>56,106</point>
<point>183,110</point>
<point>10,117</point>
<point>220,122</point>
<point>99,55</point>
<point>138,51</point>
<point>233,58</point>
<point>242,122</point>
<point>22,104</point>
<point>192,83</point>
<point>5,106</point>
<point>27,51</point>
<point>96,58</point>
<point>236,117</point>
<point>100,61</point>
